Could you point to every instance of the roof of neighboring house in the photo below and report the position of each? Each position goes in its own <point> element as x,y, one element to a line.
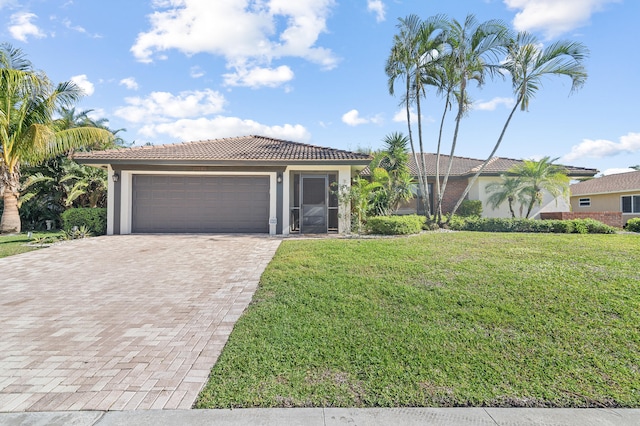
<point>463,166</point>
<point>239,149</point>
<point>620,182</point>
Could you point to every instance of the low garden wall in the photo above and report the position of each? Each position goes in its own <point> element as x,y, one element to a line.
<point>609,218</point>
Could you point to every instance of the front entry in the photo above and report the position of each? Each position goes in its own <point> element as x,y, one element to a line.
<point>314,204</point>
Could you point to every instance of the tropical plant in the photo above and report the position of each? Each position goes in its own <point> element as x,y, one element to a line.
<point>359,196</point>
<point>528,64</point>
<point>507,189</point>
<point>414,56</point>
<point>474,50</point>
<point>636,167</point>
<point>28,130</point>
<point>448,56</point>
<point>390,167</point>
<point>537,177</point>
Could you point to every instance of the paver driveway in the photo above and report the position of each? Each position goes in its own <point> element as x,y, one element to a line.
<point>121,322</point>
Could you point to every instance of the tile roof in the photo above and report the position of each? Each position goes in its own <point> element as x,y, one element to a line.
<point>620,182</point>
<point>244,148</point>
<point>463,166</point>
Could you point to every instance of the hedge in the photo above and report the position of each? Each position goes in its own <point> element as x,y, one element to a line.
<point>470,208</point>
<point>575,226</point>
<point>95,219</point>
<point>633,225</point>
<point>395,225</point>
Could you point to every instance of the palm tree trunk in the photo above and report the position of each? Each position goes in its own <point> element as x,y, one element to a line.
<point>9,187</point>
<point>438,208</point>
<point>10,222</point>
<point>427,205</point>
<point>453,145</point>
<point>495,148</point>
<point>413,148</point>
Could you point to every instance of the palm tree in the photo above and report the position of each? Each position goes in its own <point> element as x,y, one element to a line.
<point>538,176</point>
<point>403,63</point>
<point>528,64</point>
<point>474,50</point>
<point>509,189</point>
<point>28,130</point>
<point>396,182</point>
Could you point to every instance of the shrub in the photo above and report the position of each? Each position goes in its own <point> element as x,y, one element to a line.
<point>596,227</point>
<point>470,208</point>
<point>633,225</point>
<point>576,226</point>
<point>94,220</point>
<point>395,225</point>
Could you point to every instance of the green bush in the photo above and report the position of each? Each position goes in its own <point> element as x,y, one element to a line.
<point>576,226</point>
<point>395,225</point>
<point>470,208</point>
<point>633,225</point>
<point>95,220</point>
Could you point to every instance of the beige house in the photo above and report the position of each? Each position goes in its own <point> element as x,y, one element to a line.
<point>247,184</point>
<point>612,193</point>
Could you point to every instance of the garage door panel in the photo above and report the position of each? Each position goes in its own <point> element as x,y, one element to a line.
<point>200,204</point>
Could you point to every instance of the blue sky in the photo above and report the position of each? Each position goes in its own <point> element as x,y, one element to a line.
<point>313,71</point>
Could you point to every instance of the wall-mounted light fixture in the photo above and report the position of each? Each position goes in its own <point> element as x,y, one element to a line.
<point>115,177</point>
<point>279,178</point>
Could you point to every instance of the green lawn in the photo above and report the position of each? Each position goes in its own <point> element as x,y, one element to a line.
<point>16,244</point>
<point>440,319</point>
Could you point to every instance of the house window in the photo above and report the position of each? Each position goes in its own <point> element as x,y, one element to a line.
<point>584,202</point>
<point>631,204</point>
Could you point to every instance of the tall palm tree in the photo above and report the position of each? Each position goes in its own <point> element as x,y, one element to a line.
<point>528,64</point>
<point>538,176</point>
<point>403,63</point>
<point>474,53</point>
<point>28,131</point>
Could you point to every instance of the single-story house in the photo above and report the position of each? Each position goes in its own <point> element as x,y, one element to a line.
<point>249,184</point>
<point>612,193</point>
<point>462,171</point>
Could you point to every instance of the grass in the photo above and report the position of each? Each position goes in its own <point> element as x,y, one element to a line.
<point>440,319</point>
<point>16,244</point>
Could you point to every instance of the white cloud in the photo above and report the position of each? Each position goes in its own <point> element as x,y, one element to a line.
<point>7,3</point>
<point>352,118</point>
<point>21,27</point>
<point>493,104</point>
<point>196,72</point>
<point>247,34</point>
<point>220,127</point>
<point>130,83</point>
<point>165,106</point>
<point>257,77</point>
<point>600,148</point>
<point>67,23</point>
<point>377,7</point>
<point>83,83</point>
<point>401,117</point>
<point>553,17</point>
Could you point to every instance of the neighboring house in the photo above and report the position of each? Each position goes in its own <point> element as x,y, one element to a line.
<point>463,169</point>
<point>613,193</point>
<point>251,184</point>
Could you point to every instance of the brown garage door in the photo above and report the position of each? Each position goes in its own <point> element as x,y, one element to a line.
<point>200,204</point>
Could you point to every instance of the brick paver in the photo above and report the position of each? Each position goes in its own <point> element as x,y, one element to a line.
<point>121,322</point>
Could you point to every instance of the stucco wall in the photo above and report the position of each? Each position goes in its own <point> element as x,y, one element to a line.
<point>549,203</point>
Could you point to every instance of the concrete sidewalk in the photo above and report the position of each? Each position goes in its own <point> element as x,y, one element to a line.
<point>333,416</point>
